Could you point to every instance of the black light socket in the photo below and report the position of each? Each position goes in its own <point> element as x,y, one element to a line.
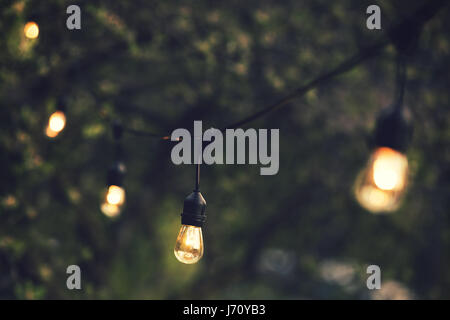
<point>393,130</point>
<point>116,174</point>
<point>194,210</point>
<point>117,130</point>
<point>32,17</point>
<point>406,36</point>
<point>61,104</point>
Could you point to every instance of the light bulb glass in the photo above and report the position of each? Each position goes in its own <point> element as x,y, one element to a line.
<point>56,124</point>
<point>115,195</point>
<point>50,133</point>
<point>381,185</point>
<point>113,201</point>
<point>110,210</point>
<point>31,30</point>
<point>189,245</point>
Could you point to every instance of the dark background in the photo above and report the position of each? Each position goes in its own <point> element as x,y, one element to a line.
<point>159,65</point>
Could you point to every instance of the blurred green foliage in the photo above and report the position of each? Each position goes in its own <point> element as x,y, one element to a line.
<point>159,65</point>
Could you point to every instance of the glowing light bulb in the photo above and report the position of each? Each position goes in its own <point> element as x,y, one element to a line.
<point>56,124</point>
<point>389,169</point>
<point>31,30</point>
<point>113,201</point>
<point>189,245</point>
<point>115,195</point>
<point>110,210</point>
<point>381,185</point>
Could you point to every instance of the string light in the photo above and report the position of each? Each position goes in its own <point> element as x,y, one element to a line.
<point>114,196</point>
<point>57,120</point>
<point>189,245</point>
<point>113,201</point>
<point>31,30</point>
<point>380,186</point>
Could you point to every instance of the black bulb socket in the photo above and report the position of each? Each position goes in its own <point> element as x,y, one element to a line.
<point>32,17</point>
<point>194,210</point>
<point>116,174</point>
<point>117,130</point>
<point>393,130</point>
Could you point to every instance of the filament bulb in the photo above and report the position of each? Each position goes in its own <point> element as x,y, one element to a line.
<point>56,124</point>
<point>113,201</point>
<point>189,245</point>
<point>381,185</point>
<point>31,30</point>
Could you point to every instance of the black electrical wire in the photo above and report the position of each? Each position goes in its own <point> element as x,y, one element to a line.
<point>340,69</point>
<point>395,35</point>
<point>197,177</point>
<point>400,81</point>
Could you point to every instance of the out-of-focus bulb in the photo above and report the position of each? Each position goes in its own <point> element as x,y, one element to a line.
<point>110,210</point>
<point>56,124</point>
<point>389,169</point>
<point>189,245</point>
<point>113,201</point>
<point>381,185</point>
<point>31,30</point>
<point>115,195</point>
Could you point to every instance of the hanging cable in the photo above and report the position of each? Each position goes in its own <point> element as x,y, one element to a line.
<point>117,131</point>
<point>404,35</point>
<point>197,177</point>
<point>400,80</point>
<point>114,198</point>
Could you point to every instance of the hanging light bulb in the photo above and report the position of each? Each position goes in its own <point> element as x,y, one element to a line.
<point>56,123</point>
<point>389,169</point>
<point>113,201</point>
<point>114,195</point>
<point>31,30</point>
<point>380,186</point>
<point>189,245</point>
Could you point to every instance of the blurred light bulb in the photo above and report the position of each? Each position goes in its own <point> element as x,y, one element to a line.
<point>189,245</point>
<point>110,210</point>
<point>115,195</point>
<point>113,201</point>
<point>380,186</point>
<point>31,30</point>
<point>56,124</point>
